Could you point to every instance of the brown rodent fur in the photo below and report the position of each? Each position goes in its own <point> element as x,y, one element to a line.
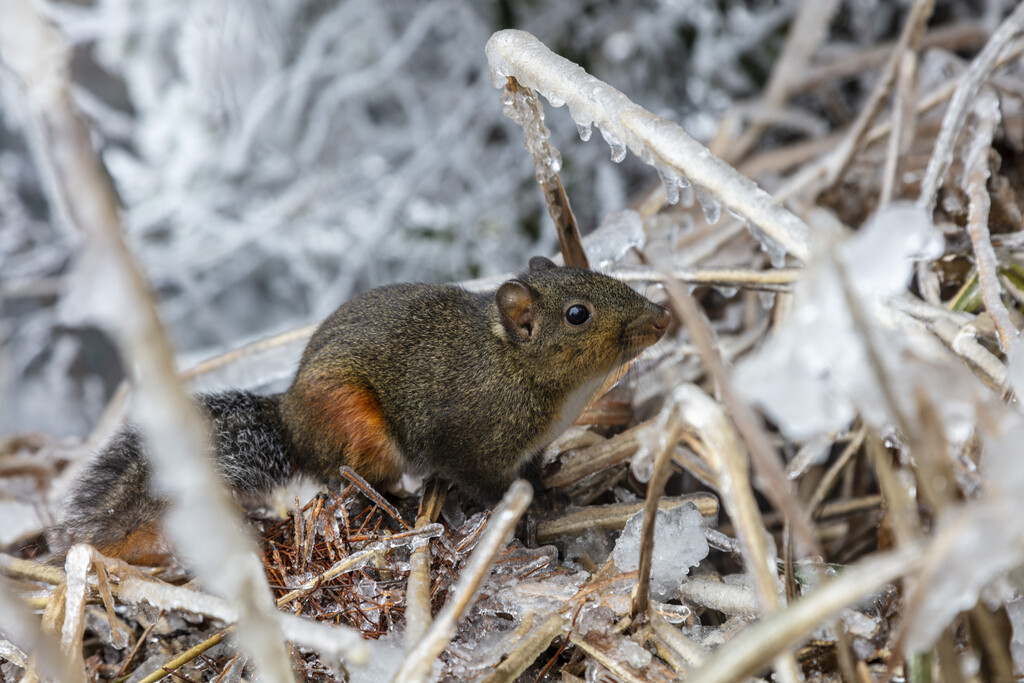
<point>420,377</point>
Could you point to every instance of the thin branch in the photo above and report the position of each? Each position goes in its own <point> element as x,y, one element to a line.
<point>524,107</point>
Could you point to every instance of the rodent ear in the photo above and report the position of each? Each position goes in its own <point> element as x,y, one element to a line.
<point>515,304</point>
<point>541,263</point>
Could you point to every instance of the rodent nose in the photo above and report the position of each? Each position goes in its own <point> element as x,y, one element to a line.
<point>662,321</point>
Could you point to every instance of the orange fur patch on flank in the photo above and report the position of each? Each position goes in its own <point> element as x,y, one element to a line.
<point>355,419</point>
<point>146,546</point>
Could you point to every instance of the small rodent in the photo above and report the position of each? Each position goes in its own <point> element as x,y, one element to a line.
<point>410,377</point>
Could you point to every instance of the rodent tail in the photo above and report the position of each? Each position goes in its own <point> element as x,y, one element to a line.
<point>113,506</point>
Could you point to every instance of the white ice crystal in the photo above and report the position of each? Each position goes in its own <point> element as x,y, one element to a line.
<point>812,375</point>
<point>679,544</point>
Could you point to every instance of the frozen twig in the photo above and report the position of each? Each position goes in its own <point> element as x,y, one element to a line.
<point>655,487</point>
<point>966,92</point>
<point>419,661</point>
<point>38,56</point>
<point>655,140</point>
<point>613,517</point>
<point>523,107</point>
<point>756,646</point>
<point>417,595</point>
<point>986,117</point>
<point>723,445</point>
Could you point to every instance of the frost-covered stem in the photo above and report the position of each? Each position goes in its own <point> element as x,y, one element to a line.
<point>655,487</point>
<point>38,55</point>
<point>903,123</point>
<point>840,159</point>
<point>806,32</point>
<point>19,626</point>
<point>963,98</point>
<point>418,662</point>
<point>986,116</point>
<point>525,108</point>
<point>752,649</point>
<point>765,461</point>
<point>417,594</point>
<point>715,429</point>
<point>655,140</point>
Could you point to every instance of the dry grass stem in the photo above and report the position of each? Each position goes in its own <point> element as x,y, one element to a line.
<point>417,664</point>
<point>655,488</point>
<point>986,116</point>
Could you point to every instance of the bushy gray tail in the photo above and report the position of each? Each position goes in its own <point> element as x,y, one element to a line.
<point>113,507</point>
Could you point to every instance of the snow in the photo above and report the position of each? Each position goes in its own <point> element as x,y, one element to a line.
<point>679,544</point>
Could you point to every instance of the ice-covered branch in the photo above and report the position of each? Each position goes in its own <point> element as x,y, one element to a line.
<point>986,115</point>
<point>655,140</point>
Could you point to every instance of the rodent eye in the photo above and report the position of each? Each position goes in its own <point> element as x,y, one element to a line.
<point>577,314</point>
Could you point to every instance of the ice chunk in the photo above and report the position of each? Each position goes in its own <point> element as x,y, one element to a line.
<point>619,232</point>
<point>812,375</point>
<point>679,544</point>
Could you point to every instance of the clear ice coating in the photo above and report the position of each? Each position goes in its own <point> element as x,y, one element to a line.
<point>679,544</point>
<point>619,232</point>
<point>712,209</point>
<point>536,136</point>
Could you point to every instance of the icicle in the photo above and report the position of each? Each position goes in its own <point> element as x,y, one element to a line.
<point>776,253</point>
<point>670,179</point>
<point>767,299</point>
<point>618,146</point>
<point>712,209</point>
<point>727,292</point>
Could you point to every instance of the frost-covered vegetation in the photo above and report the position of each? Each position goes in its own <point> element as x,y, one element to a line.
<point>831,433</point>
